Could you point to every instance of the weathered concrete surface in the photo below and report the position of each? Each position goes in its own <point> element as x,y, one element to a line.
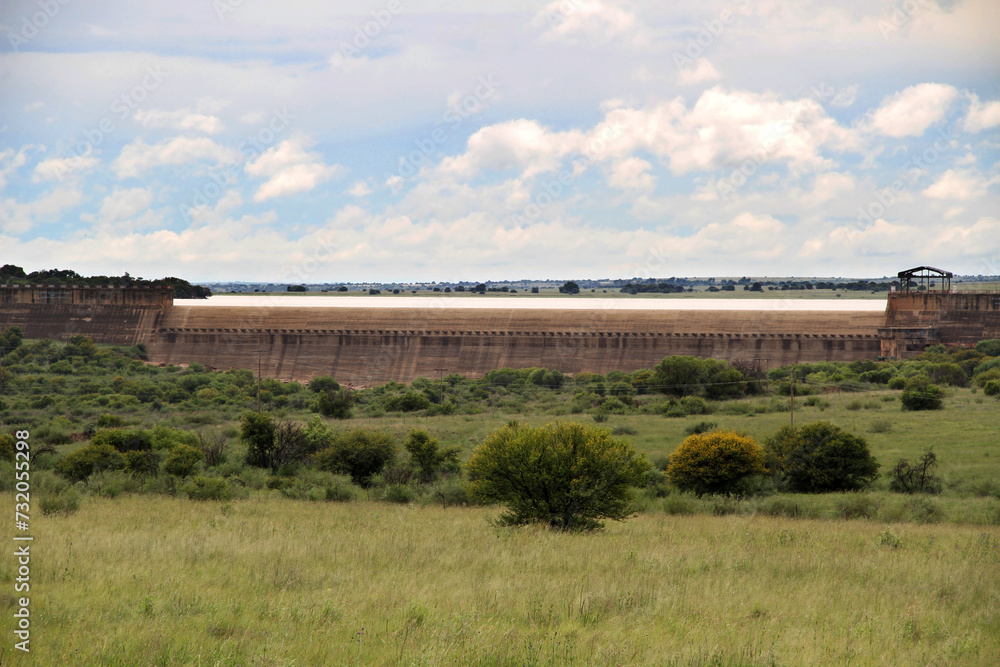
<point>364,346</point>
<point>105,314</point>
<point>915,320</point>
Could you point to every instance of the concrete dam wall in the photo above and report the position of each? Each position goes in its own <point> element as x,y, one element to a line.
<point>364,346</point>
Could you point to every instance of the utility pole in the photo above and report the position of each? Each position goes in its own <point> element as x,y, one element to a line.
<point>259,353</point>
<point>791,402</point>
<point>441,377</point>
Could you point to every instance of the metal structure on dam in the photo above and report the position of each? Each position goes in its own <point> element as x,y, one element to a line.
<point>364,346</point>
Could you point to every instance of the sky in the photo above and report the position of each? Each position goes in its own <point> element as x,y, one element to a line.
<point>442,140</point>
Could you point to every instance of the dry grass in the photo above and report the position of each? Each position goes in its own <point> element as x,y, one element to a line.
<point>269,581</point>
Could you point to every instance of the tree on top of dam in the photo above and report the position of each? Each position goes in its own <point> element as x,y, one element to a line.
<point>9,273</point>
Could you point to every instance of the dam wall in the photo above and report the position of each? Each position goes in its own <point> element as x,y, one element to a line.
<point>362,346</point>
<point>914,320</point>
<point>113,315</point>
<point>365,346</point>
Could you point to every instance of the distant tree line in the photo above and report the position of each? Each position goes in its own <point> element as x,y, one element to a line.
<point>9,273</point>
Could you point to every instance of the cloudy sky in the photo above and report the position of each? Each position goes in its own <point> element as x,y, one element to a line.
<point>404,140</point>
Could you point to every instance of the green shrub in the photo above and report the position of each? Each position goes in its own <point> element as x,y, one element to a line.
<point>777,447</point>
<point>399,493</point>
<point>110,421</point>
<point>897,382</point>
<point>924,510</point>
<point>429,457</point>
<point>856,506</point>
<point>916,478</point>
<point>827,458</point>
<point>335,403</point>
<point>920,394</point>
<point>781,507</point>
<point>880,426</point>
<point>990,347</point>
<point>624,429</point>
<point>992,388</point>
<point>701,427</point>
<point>124,440</point>
<point>81,464</point>
<point>182,460</point>
<point>64,503</point>
<point>677,505</point>
<point>360,453</point>
<point>201,487</point>
<point>569,476</point>
<point>7,443</point>
<point>142,463</point>
<point>716,462</point>
<point>273,444</point>
<point>411,401</point>
<point>449,493</point>
<point>323,383</point>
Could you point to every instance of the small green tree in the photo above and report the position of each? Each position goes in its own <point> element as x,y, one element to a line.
<point>429,456</point>
<point>360,453</point>
<point>569,476</point>
<point>679,375</point>
<point>335,403</point>
<point>182,460</point>
<point>258,433</point>
<point>827,458</point>
<point>142,463</point>
<point>915,478</point>
<point>81,464</point>
<point>569,287</point>
<point>920,394</point>
<point>715,462</point>
<point>321,383</point>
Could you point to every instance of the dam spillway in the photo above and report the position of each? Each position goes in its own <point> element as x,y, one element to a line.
<point>300,337</point>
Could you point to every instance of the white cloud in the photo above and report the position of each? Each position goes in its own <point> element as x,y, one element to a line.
<point>122,204</point>
<point>181,119</point>
<point>958,184</point>
<point>138,156</point>
<point>290,169</point>
<point>829,186</point>
<point>59,169</point>
<point>588,22</point>
<point>11,161</point>
<point>360,189</point>
<point>982,115</point>
<point>632,174</point>
<point>911,111</point>
<point>701,71</point>
<point>518,144</point>
<point>17,218</point>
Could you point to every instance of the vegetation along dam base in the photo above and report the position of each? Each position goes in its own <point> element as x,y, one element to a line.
<point>371,341</point>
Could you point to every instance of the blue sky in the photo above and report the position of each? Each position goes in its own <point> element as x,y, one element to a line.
<point>419,140</point>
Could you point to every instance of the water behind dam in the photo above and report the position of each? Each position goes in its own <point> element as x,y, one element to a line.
<point>570,303</point>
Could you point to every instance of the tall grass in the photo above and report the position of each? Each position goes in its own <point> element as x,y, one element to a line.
<point>274,581</point>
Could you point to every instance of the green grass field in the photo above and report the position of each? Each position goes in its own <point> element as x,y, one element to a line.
<point>775,580</point>
<point>268,581</point>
